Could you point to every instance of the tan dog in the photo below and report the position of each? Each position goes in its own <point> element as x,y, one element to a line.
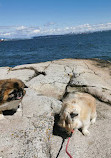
<point>78,111</point>
<point>11,93</point>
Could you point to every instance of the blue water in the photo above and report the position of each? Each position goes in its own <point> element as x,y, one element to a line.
<point>40,49</point>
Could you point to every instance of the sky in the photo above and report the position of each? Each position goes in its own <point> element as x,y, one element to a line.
<point>28,18</point>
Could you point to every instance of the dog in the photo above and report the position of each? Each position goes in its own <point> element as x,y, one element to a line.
<point>78,111</point>
<point>11,94</point>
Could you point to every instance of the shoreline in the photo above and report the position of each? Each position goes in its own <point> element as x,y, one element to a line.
<point>93,59</point>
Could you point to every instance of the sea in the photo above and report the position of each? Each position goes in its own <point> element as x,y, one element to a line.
<point>47,48</point>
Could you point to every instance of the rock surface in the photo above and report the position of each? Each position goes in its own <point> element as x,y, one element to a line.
<point>33,132</point>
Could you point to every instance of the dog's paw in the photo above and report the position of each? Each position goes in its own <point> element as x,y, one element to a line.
<point>19,110</point>
<point>2,117</point>
<point>93,121</point>
<point>86,132</point>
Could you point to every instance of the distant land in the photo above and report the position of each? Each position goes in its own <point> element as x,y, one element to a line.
<point>49,36</point>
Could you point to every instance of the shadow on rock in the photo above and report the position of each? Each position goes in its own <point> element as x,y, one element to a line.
<point>59,131</point>
<point>9,112</point>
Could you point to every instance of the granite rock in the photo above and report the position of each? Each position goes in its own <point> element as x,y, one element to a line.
<point>33,132</point>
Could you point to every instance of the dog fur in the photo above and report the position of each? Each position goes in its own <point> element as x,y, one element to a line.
<point>11,92</point>
<point>78,111</point>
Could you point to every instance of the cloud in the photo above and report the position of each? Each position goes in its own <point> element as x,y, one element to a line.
<point>36,31</point>
<point>7,34</point>
<point>18,31</point>
<point>20,28</point>
<point>28,32</point>
<point>49,24</point>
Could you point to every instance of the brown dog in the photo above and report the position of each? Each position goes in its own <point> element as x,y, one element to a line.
<point>78,111</point>
<point>11,93</point>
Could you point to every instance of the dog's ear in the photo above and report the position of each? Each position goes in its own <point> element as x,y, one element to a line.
<point>72,114</point>
<point>62,112</point>
<point>68,119</point>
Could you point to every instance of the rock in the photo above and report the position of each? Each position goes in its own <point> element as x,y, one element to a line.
<point>34,133</point>
<point>10,105</point>
<point>22,74</point>
<point>3,72</point>
<point>52,84</point>
<point>39,66</point>
<point>27,133</point>
<point>35,104</point>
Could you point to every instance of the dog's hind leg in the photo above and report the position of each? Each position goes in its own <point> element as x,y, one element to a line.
<point>93,117</point>
<point>86,124</point>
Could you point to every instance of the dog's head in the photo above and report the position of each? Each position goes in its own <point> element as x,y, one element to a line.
<point>11,89</point>
<point>67,115</point>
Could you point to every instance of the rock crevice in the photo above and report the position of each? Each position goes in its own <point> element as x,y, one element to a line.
<point>36,72</point>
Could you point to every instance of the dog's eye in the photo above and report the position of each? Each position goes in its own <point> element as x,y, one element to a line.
<point>12,93</point>
<point>73,114</point>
